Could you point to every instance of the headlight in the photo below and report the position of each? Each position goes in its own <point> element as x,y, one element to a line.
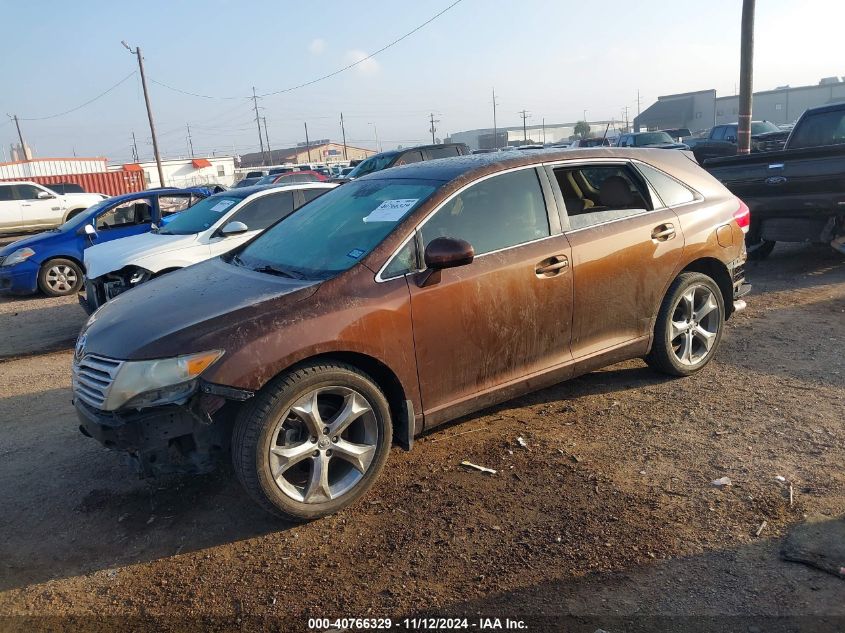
<point>18,256</point>
<point>154,382</point>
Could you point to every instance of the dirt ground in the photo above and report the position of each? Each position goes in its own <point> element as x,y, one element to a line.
<point>606,520</point>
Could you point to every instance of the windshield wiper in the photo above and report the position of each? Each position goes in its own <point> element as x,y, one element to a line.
<point>270,270</point>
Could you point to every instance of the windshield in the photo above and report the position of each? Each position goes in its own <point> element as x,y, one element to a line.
<point>652,138</point>
<point>373,163</point>
<point>267,180</point>
<point>762,127</point>
<point>335,231</point>
<point>81,218</point>
<point>201,216</point>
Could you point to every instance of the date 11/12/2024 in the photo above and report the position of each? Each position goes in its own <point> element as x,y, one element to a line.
<point>417,624</point>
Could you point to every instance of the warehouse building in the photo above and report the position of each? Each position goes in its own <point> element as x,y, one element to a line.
<point>322,151</point>
<point>702,109</point>
<point>488,138</point>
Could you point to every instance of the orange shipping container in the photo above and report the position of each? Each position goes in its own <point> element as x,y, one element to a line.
<point>111,183</point>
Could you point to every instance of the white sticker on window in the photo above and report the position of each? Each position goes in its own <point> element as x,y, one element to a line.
<point>391,210</point>
<point>222,205</point>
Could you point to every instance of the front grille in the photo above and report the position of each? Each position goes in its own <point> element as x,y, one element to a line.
<point>93,377</point>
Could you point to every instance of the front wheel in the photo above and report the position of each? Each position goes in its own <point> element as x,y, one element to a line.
<point>313,441</point>
<point>689,325</point>
<point>59,277</point>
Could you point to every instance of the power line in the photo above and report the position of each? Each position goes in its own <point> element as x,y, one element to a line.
<point>79,107</point>
<point>324,77</point>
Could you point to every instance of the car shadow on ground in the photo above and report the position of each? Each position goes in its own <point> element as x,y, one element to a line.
<point>71,507</point>
<point>743,588</point>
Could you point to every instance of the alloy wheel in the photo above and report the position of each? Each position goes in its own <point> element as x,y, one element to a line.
<point>323,444</point>
<point>695,325</point>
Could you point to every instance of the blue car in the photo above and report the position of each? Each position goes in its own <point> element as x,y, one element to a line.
<point>52,261</point>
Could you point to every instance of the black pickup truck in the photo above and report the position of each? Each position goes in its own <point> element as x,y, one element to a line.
<point>765,137</point>
<point>796,194</point>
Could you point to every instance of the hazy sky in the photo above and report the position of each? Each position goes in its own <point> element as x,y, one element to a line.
<point>555,58</point>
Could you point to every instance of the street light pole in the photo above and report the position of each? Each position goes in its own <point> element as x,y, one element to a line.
<point>746,78</point>
<point>137,53</point>
<point>495,128</point>
<point>343,131</point>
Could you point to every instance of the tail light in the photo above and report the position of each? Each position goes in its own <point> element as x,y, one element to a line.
<point>743,216</point>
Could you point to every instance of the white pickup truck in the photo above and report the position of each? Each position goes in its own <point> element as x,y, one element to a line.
<point>29,206</point>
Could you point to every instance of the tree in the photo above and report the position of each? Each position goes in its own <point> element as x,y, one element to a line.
<point>582,129</point>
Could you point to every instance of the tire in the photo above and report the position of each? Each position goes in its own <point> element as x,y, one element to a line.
<point>685,336</point>
<point>274,433</point>
<point>59,277</point>
<point>73,213</point>
<point>757,247</point>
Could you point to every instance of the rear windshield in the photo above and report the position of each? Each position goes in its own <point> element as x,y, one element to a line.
<point>817,130</point>
<point>652,138</point>
<point>335,231</point>
<point>762,127</point>
<point>373,163</point>
<point>203,215</point>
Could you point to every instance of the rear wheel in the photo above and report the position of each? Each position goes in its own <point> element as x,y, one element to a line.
<point>59,277</point>
<point>313,441</point>
<point>689,325</point>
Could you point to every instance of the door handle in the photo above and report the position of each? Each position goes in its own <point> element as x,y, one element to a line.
<point>663,232</point>
<point>552,266</point>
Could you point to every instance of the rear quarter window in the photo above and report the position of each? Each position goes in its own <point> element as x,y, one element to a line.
<point>672,192</point>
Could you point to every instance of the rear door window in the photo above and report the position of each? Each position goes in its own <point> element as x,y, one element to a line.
<point>443,152</point>
<point>497,213</point>
<point>266,210</point>
<point>173,203</point>
<point>409,157</point>
<point>594,194</point>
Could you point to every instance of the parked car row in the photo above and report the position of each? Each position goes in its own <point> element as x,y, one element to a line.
<point>305,350</point>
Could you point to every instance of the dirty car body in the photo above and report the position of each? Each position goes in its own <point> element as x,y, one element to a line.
<point>447,286</point>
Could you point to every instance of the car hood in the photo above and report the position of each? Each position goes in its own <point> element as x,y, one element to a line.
<point>189,310</point>
<point>32,241</point>
<point>110,256</point>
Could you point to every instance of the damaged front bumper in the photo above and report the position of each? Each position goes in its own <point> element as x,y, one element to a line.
<point>170,439</point>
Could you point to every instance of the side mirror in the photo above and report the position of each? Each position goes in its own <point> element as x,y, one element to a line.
<point>89,230</point>
<point>234,228</point>
<point>444,252</point>
<point>43,195</point>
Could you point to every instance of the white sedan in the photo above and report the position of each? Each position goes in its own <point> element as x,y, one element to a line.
<point>210,228</point>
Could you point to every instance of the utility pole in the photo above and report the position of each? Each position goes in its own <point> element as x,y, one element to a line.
<point>495,128</point>
<point>524,114</point>
<point>544,130</point>
<point>190,140</point>
<point>135,148</point>
<point>375,130</point>
<point>20,136</point>
<point>433,129</point>
<point>307,142</point>
<point>625,110</point>
<point>267,138</point>
<point>746,78</point>
<point>343,131</point>
<point>258,123</point>
<point>137,53</point>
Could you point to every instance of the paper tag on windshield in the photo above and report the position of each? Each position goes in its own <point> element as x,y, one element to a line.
<point>222,205</point>
<point>391,210</point>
